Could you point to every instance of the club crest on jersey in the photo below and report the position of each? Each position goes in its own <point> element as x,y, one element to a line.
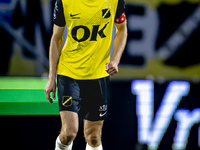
<point>67,101</point>
<point>106,13</point>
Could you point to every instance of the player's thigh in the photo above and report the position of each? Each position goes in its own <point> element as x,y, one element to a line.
<point>70,122</point>
<point>92,129</point>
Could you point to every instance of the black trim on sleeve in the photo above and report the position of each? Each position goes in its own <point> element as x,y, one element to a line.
<point>58,16</point>
<point>120,8</point>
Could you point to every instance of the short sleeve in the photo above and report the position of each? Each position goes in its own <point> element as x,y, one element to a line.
<point>58,16</point>
<point>120,8</point>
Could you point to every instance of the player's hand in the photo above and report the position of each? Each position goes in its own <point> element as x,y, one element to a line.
<point>112,67</point>
<point>50,87</point>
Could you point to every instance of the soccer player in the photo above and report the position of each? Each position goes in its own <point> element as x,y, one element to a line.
<point>83,65</point>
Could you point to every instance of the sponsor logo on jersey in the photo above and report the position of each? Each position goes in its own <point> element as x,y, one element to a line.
<point>74,16</point>
<point>87,33</point>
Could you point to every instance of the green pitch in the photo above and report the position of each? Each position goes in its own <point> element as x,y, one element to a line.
<point>25,96</point>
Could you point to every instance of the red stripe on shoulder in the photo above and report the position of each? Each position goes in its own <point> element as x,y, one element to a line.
<point>121,19</point>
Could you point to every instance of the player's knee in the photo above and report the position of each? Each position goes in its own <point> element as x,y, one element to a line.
<point>67,136</point>
<point>93,139</point>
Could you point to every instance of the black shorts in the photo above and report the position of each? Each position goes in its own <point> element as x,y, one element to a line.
<point>88,98</point>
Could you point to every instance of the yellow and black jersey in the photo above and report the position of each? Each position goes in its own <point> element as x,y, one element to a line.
<point>87,47</point>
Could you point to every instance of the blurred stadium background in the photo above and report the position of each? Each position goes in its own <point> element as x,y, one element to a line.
<point>155,100</point>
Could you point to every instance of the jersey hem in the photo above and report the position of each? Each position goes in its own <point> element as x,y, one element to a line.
<point>83,78</point>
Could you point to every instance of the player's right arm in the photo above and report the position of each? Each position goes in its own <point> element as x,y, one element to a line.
<point>55,48</point>
<point>54,54</point>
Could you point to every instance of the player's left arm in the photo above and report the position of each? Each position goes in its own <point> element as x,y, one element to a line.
<point>118,48</point>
